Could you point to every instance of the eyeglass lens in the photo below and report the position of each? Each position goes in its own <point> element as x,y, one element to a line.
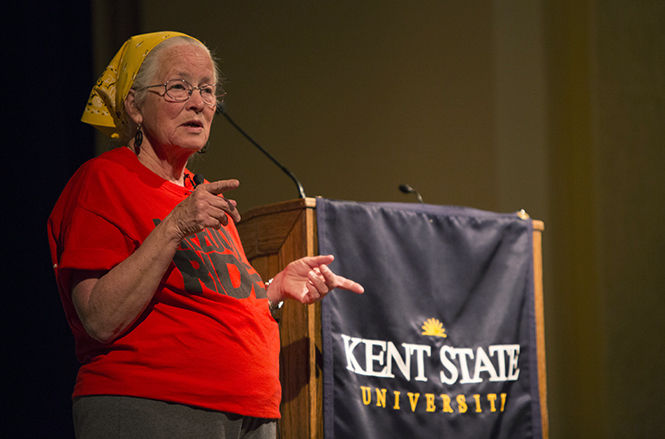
<point>180,90</point>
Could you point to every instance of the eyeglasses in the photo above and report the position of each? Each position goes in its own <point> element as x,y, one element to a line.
<point>179,90</point>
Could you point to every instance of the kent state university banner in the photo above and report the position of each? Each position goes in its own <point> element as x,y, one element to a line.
<point>443,342</point>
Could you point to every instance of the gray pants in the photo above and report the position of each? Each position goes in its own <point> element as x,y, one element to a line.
<point>125,417</point>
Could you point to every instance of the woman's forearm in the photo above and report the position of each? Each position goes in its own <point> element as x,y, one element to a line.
<point>109,304</point>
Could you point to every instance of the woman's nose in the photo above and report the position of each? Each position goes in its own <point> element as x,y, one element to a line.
<point>196,99</point>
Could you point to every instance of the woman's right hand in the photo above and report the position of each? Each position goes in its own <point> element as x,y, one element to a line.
<point>204,208</point>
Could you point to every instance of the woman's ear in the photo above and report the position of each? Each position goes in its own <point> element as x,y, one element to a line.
<point>132,109</point>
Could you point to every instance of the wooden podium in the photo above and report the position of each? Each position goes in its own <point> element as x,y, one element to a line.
<point>276,234</point>
<point>273,236</point>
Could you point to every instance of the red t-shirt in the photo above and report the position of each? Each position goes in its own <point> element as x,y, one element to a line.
<point>207,338</point>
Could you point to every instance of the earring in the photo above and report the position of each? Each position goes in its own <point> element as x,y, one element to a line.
<point>203,150</point>
<point>138,139</point>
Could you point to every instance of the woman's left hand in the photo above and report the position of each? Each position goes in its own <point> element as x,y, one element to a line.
<point>308,280</point>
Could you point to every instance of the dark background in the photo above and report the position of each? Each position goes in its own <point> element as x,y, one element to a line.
<point>47,62</point>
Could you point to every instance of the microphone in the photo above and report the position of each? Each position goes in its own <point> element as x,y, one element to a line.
<point>196,180</point>
<point>221,110</point>
<point>408,189</point>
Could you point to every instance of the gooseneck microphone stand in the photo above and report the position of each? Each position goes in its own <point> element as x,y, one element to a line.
<point>221,110</point>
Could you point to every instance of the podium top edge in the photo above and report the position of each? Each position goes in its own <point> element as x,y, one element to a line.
<point>282,206</point>
<point>538,225</point>
<point>310,203</point>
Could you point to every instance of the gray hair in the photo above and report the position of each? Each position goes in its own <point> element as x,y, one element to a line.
<point>147,73</point>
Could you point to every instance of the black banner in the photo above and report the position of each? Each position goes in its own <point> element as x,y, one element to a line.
<point>442,344</point>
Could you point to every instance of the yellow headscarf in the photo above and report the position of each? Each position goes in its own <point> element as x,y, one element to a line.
<point>106,102</point>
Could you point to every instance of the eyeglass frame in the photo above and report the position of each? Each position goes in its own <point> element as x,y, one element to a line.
<point>219,98</point>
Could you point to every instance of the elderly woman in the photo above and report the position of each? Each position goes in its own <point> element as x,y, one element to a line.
<point>173,327</point>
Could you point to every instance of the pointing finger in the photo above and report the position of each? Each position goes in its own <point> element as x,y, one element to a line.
<point>219,186</point>
<point>336,281</point>
<point>348,284</point>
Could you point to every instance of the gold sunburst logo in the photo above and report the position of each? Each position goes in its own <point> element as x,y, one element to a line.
<point>434,328</point>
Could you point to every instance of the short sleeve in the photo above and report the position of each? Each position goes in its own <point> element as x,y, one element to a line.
<point>91,242</point>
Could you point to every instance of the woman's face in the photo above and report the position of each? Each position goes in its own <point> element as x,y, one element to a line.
<point>186,124</point>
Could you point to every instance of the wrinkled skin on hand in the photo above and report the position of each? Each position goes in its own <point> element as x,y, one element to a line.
<point>308,280</point>
<point>205,208</point>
